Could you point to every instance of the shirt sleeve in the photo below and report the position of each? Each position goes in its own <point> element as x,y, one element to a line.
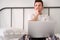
<point>47,18</point>
<point>30,17</point>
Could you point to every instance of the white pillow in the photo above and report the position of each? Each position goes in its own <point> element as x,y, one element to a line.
<point>13,32</point>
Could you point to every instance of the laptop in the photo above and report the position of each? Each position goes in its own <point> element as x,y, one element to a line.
<point>38,29</point>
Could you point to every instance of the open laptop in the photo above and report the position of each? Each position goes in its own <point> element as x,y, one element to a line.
<point>37,29</point>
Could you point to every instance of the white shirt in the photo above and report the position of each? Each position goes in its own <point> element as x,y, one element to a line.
<point>42,17</point>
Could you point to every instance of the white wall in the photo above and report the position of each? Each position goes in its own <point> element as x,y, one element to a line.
<point>16,3</point>
<point>27,3</point>
<point>52,3</point>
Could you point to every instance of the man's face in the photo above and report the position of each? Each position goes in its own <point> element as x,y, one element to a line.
<point>38,6</point>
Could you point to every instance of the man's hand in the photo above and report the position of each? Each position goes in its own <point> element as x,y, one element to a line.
<point>37,12</point>
<point>35,17</point>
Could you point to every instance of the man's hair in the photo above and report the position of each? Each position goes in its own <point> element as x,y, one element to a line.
<point>39,1</point>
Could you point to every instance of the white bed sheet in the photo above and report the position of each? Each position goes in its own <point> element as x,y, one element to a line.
<point>2,30</point>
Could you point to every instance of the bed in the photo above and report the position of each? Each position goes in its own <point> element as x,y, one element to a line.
<point>11,33</point>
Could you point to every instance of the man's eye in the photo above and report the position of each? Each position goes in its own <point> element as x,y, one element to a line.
<point>35,5</point>
<point>39,5</point>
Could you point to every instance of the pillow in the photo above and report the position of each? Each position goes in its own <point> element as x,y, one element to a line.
<point>13,33</point>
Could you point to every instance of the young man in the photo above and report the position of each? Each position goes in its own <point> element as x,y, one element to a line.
<point>38,15</point>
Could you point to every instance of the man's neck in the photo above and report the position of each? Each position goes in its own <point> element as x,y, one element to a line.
<point>40,14</point>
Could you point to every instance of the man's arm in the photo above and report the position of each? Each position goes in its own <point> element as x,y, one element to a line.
<point>35,18</point>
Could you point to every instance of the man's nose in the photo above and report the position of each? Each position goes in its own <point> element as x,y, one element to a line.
<point>37,7</point>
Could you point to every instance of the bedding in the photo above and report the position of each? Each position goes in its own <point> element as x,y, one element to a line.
<point>2,30</point>
<point>11,33</point>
